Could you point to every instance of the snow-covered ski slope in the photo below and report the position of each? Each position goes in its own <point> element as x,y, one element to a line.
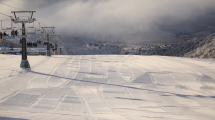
<point>101,87</point>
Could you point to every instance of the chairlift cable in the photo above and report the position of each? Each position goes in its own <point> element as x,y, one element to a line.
<point>42,23</point>
<point>18,26</point>
<point>39,22</point>
<point>10,6</point>
<point>5,20</point>
<point>6,15</point>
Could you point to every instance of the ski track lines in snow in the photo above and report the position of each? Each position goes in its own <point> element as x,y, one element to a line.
<point>108,87</point>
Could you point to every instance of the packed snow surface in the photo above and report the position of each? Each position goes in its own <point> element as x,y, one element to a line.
<point>107,87</point>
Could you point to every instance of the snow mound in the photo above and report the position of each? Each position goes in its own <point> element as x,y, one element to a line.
<point>23,70</point>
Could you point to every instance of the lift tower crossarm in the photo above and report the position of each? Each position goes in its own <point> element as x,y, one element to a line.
<point>22,11</point>
<point>23,19</point>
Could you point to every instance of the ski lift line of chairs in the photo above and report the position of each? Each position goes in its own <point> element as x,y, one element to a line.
<point>46,43</point>
<point>30,44</point>
<point>39,41</point>
<point>8,33</point>
<point>11,34</point>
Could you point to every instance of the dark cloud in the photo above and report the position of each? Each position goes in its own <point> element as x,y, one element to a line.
<point>127,20</point>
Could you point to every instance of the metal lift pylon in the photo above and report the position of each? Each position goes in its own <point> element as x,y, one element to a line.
<point>23,20</point>
<point>56,38</point>
<point>45,31</point>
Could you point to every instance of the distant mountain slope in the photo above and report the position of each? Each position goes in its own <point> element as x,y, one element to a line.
<point>198,45</point>
<point>195,46</point>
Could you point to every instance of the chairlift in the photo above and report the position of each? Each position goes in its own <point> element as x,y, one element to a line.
<point>52,46</point>
<point>43,39</point>
<point>20,34</point>
<point>39,42</point>
<point>48,30</point>
<point>38,33</point>
<point>20,41</point>
<point>9,33</point>
<point>1,34</point>
<point>60,45</point>
<point>38,38</point>
<point>31,44</point>
<point>31,30</point>
<point>45,42</point>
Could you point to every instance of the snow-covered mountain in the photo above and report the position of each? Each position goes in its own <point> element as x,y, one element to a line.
<point>196,45</point>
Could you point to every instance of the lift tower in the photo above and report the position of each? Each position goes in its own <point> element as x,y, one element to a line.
<point>23,20</point>
<point>48,31</point>
<point>56,39</point>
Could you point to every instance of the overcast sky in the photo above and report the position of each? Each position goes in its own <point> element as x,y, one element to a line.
<point>140,20</point>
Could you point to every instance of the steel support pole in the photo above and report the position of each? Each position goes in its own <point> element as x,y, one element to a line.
<point>48,52</point>
<point>24,62</point>
<point>56,52</point>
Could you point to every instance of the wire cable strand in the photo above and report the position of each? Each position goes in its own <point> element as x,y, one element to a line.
<point>5,15</point>
<point>5,20</point>
<point>40,22</point>
<point>10,6</point>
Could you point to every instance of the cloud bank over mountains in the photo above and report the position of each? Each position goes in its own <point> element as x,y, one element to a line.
<point>136,20</point>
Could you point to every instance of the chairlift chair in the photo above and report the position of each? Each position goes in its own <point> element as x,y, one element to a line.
<point>20,41</point>
<point>48,30</point>
<point>1,34</point>
<point>38,33</point>
<point>38,36</point>
<point>43,37</point>
<point>60,45</point>
<point>20,34</point>
<point>31,42</point>
<point>8,33</point>
<point>31,30</point>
